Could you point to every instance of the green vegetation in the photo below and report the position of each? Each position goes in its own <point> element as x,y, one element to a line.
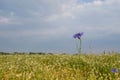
<point>60,67</point>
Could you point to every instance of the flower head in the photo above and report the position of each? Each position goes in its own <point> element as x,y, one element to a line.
<point>78,35</point>
<point>114,70</point>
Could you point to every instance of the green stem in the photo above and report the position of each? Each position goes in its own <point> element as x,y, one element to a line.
<point>80,48</point>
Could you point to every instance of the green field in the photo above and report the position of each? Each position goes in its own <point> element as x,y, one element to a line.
<point>60,67</point>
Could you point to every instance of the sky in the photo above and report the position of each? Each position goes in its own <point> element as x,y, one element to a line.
<point>49,25</point>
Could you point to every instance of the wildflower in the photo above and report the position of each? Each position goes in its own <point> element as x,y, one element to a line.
<point>78,35</point>
<point>114,70</point>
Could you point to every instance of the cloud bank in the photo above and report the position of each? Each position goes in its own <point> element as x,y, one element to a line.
<point>54,22</point>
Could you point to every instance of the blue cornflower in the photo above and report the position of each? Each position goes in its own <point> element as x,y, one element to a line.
<point>114,70</point>
<point>78,35</point>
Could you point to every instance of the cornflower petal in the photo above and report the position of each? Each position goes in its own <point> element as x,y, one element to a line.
<point>114,70</point>
<point>78,35</point>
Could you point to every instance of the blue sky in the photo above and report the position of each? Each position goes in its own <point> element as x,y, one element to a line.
<point>49,25</point>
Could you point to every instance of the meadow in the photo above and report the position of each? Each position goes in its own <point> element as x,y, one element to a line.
<point>60,67</point>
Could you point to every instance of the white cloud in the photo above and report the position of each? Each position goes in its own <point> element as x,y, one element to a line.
<point>97,15</point>
<point>68,14</point>
<point>46,33</point>
<point>4,20</point>
<point>10,21</point>
<point>10,18</point>
<point>94,14</point>
<point>98,2</point>
<point>52,18</point>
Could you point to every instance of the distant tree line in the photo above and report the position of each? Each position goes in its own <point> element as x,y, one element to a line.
<point>40,53</point>
<point>4,53</point>
<point>43,53</point>
<point>21,53</point>
<point>30,53</point>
